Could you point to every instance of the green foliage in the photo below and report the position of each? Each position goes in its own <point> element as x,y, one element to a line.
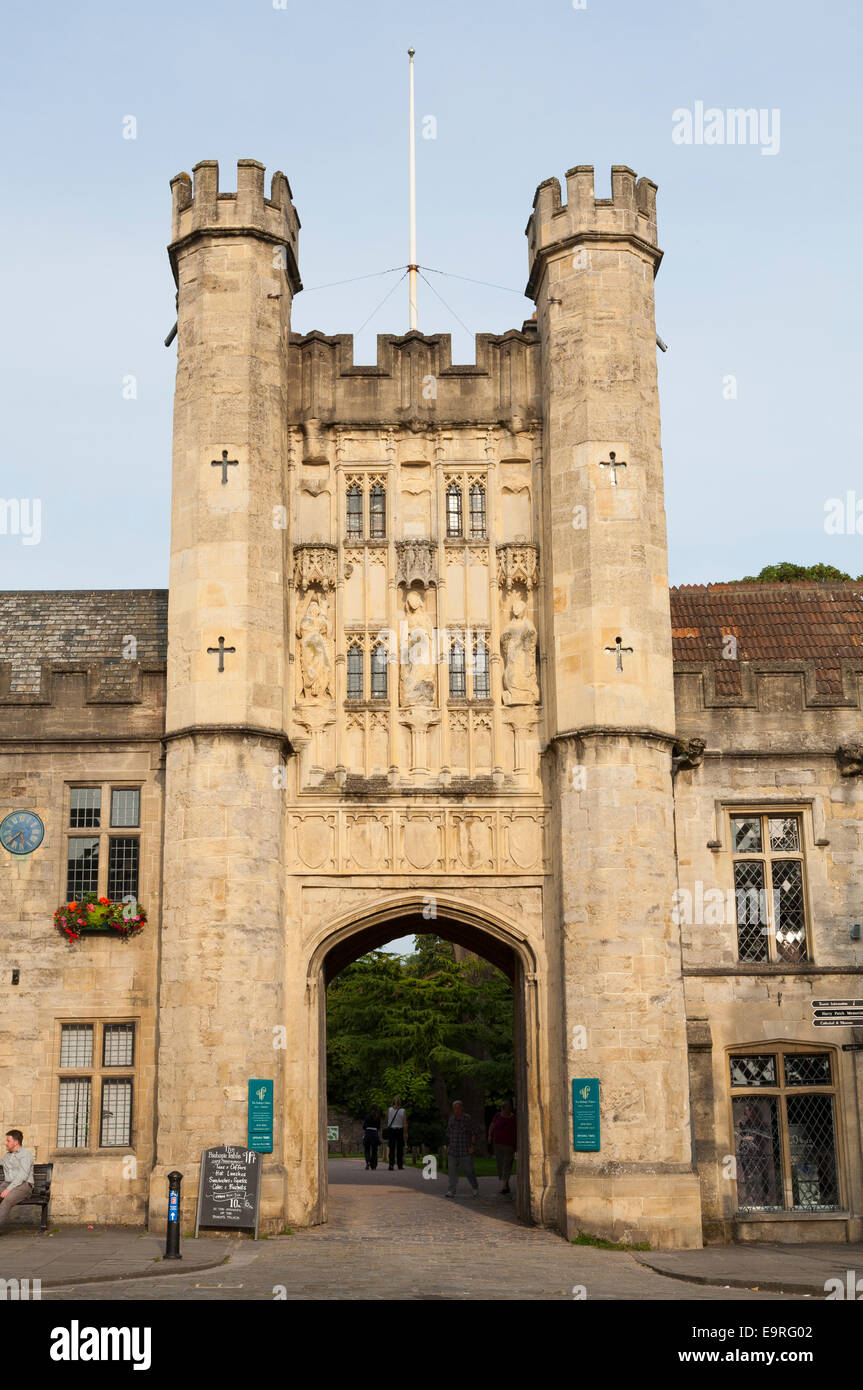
<point>584,1239</point>
<point>409,1027</point>
<point>789,573</point>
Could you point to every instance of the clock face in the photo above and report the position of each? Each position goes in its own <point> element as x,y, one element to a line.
<point>21,832</point>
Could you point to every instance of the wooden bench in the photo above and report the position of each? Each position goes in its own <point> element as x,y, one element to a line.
<point>41,1194</point>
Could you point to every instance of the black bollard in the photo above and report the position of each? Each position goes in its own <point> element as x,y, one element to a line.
<point>172,1238</point>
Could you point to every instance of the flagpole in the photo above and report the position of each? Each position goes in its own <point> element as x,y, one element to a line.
<point>412,267</point>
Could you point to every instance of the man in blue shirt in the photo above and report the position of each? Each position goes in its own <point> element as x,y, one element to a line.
<point>18,1174</point>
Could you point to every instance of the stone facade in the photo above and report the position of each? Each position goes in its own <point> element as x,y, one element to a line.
<point>418,668</point>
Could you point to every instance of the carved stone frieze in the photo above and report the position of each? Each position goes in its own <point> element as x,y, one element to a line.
<point>466,840</point>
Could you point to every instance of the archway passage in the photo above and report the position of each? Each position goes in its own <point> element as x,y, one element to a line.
<point>488,942</point>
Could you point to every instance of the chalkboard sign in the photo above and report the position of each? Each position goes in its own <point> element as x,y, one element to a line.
<point>229,1188</point>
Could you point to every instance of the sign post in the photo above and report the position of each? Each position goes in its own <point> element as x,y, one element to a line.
<point>229,1188</point>
<point>585,1114</point>
<point>837,1013</point>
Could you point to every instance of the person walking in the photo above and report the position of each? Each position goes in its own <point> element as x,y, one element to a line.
<point>460,1144</point>
<point>371,1136</point>
<point>18,1175</point>
<point>396,1133</point>
<point>502,1133</point>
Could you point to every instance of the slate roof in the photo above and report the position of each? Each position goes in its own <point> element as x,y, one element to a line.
<point>80,626</point>
<point>822,623</point>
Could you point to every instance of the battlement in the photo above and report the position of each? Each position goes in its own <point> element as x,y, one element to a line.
<point>415,379</point>
<point>200,207</point>
<point>629,213</point>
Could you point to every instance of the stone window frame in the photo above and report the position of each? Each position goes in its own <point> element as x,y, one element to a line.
<point>454,488</point>
<point>378,647</point>
<point>96,1074</point>
<point>766,810</point>
<point>780,1047</point>
<point>105,833</point>
<point>370,522</point>
<point>477,485</point>
<point>468,641</point>
<point>354,644</point>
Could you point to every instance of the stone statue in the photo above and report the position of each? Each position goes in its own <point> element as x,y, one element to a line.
<point>418,683</point>
<point>518,649</point>
<point>316,666</point>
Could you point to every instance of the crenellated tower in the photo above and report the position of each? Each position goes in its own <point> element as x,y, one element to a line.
<point>611,703</point>
<point>234,257</point>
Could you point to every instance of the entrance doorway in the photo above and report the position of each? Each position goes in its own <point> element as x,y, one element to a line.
<point>492,942</point>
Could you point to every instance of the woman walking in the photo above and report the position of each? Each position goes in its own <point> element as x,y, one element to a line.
<point>371,1136</point>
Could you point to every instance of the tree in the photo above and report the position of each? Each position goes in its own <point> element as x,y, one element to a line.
<point>404,1026</point>
<point>789,573</point>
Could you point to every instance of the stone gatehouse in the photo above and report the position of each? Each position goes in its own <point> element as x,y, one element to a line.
<point>418,666</point>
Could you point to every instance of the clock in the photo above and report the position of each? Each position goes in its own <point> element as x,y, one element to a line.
<point>21,832</point>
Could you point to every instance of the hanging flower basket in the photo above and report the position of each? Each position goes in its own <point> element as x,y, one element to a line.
<point>94,916</point>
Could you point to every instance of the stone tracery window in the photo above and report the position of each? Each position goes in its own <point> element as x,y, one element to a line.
<point>454,504</point>
<point>354,512</point>
<point>481,677</point>
<point>457,678</point>
<point>377,511</point>
<point>478,522</point>
<point>379,671</point>
<point>355,671</point>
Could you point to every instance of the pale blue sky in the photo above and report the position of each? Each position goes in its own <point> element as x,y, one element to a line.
<point>761,278</point>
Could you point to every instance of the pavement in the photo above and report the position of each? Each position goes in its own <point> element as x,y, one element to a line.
<point>393,1236</point>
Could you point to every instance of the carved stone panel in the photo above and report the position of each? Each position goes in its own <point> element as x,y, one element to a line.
<point>472,843</point>
<point>416,562</point>
<point>315,841</point>
<point>517,564</point>
<point>422,841</point>
<point>315,564</point>
<point>522,835</point>
<point>368,842</point>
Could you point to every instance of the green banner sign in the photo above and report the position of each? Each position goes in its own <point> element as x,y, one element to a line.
<point>261,1116</point>
<point>585,1114</point>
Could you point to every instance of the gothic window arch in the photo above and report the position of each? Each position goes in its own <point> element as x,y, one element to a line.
<point>481,676</point>
<point>355,671</point>
<point>478,519</point>
<point>454,509</point>
<point>379,671</point>
<point>457,678</point>
<point>377,511</point>
<point>354,512</point>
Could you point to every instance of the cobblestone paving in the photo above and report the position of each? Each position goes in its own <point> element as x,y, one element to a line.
<point>394,1236</point>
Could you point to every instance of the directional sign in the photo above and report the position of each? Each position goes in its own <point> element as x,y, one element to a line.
<point>837,1004</point>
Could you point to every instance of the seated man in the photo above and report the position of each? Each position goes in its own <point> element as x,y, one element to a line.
<point>18,1172</point>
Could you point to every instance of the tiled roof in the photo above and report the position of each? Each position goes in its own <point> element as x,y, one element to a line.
<point>822,623</point>
<point>86,626</point>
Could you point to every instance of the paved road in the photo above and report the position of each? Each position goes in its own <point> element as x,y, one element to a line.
<point>394,1236</point>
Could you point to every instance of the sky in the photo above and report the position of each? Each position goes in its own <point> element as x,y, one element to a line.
<point>758,295</point>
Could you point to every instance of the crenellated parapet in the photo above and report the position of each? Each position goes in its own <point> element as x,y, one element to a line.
<point>199,209</point>
<point>628,215</point>
<point>415,381</point>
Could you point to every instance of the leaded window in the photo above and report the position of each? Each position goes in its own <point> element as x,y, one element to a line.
<point>454,523</point>
<point>82,867</point>
<point>457,686</point>
<point>85,808</point>
<point>769,887</point>
<point>784,1107</point>
<point>355,672</point>
<point>123,868</point>
<point>477,512</point>
<point>93,1052</point>
<point>354,514</point>
<point>379,672</point>
<point>102,863</point>
<point>481,680</point>
<point>378,512</point>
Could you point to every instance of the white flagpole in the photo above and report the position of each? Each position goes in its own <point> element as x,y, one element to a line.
<point>412,268</point>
